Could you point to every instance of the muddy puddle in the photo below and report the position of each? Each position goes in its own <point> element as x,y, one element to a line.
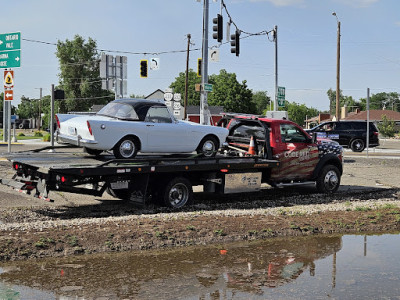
<point>322,267</point>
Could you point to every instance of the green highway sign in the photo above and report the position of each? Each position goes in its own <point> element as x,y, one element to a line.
<point>10,41</point>
<point>208,87</point>
<point>281,96</point>
<point>10,59</point>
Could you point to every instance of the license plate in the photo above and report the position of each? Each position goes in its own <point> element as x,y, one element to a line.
<point>71,130</point>
<point>118,185</point>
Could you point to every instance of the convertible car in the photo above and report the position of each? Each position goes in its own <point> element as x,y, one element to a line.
<point>129,126</point>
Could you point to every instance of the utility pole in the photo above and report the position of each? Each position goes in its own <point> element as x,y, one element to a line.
<point>276,68</point>
<point>204,112</point>
<point>40,102</point>
<point>337,69</point>
<point>52,119</point>
<point>187,77</point>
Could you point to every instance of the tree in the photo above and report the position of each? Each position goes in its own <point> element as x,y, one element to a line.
<point>382,100</point>
<point>347,101</point>
<point>261,101</point>
<point>178,86</point>
<point>386,127</point>
<point>229,93</point>
<point>28,108</point>
<point>80,75</point>
<point>299,112</point>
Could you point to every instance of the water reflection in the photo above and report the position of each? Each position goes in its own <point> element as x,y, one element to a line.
<point>311,267</point>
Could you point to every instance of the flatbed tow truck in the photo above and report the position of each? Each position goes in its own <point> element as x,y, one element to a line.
<point>167,180</point>
<point>283,154</point>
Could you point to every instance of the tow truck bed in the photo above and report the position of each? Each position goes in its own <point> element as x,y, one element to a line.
<point>135,179</point>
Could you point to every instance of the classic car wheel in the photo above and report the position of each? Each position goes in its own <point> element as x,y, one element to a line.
<point>208,146</point>
<point>178,192</point>
<point>328,180</point>
<point>357,145</point>
<point>126,148</point>
<point>94,152</point>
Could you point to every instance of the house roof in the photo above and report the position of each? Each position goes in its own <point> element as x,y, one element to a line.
<point>195,110</point>
<point>374,115</point>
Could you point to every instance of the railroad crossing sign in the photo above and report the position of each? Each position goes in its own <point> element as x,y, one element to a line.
<point>8,79</point>
<point>281,96</point>
<point>10,50</point>
<point>8,95</point>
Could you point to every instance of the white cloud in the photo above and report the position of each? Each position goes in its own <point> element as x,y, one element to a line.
<point>281,2</point>
<point>358,3</point>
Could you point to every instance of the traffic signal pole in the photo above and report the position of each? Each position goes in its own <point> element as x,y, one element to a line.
<point>204,111</point>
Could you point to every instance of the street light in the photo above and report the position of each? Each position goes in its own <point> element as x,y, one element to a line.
<point>337,69</point>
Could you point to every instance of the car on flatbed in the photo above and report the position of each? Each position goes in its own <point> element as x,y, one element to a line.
<point>350,134</point>
<point>129,126</point>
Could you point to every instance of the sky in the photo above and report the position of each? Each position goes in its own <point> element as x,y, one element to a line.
<point>307,39</point>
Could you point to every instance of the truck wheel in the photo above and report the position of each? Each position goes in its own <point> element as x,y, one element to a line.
<point>126,148</point>
<point>357,145</point>
<point>178,192</point>
<point>328,180</point>
<point>94,152</point>
<point>208,146</point>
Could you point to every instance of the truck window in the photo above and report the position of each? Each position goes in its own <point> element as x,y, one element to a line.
<point>292,134</point>
<point>247,131</point>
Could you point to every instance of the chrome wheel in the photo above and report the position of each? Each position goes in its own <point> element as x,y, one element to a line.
<point>331,180</point>
<point>208,147</point>
<point>126,148</point>
<point>178,192</point>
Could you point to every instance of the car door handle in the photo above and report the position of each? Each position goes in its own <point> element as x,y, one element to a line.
<point>149,125</point>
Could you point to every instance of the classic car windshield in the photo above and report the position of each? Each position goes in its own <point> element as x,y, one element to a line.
<point>119,110</point>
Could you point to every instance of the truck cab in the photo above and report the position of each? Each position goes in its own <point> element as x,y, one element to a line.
<point>302,158</point>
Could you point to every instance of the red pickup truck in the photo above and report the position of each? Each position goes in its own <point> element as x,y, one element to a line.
<point>302,158</point>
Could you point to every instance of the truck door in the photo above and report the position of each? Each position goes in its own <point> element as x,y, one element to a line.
<point>297,155</point>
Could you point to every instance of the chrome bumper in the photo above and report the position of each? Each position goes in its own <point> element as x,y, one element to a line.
<point>74,140</point>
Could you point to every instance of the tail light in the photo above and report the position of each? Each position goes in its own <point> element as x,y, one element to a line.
<point>376,133</point>
<point>58,122</point>
<point>90,128</point>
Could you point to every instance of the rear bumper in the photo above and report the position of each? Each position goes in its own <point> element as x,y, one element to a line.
<point>74,140</point>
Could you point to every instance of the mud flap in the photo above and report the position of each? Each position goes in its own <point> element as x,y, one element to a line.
<point>41,189</point>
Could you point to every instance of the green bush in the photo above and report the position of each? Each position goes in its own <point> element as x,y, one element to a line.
<point>38,134</point>
<point>386,127</point>
<point>46,138</point>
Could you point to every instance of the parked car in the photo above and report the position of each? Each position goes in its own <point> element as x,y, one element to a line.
<point>129,126</point>
<point>351,134</point>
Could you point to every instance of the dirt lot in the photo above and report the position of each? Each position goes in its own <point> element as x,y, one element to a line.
<point>368,201</point>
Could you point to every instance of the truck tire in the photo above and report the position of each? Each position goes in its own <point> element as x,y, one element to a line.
<point>328,180</point>
<point>208,146</point>
<point>177,193</point>
<point>126,148</point>
<point>357,145</point>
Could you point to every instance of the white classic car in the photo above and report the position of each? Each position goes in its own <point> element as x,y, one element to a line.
<point>129,126</point>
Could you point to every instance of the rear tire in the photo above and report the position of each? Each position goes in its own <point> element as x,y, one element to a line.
<point>328,180</point>
<point>357,145</point>
<point>126,148</point>
<point>208,146</point>
<point>178,192</point>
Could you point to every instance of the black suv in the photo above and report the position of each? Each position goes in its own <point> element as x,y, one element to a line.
<point>351,134</point>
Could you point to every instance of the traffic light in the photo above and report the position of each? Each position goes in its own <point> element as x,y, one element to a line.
<point>217,29</point>
<point>235,40</point>
<point>199,67</point>
<point>143,68</point>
